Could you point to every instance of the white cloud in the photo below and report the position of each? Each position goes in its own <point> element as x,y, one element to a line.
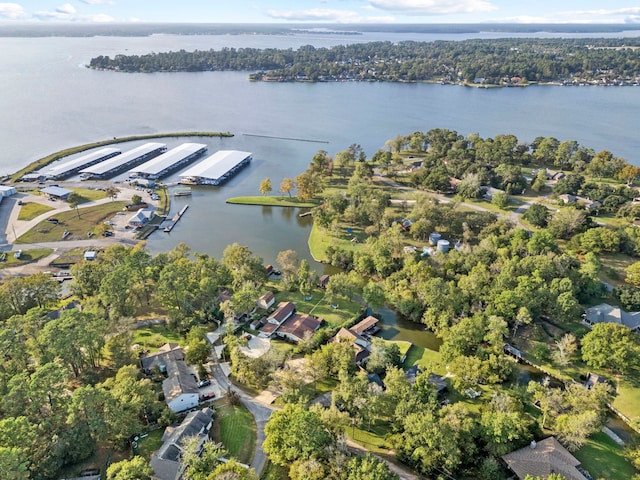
<point>603,12</point>
<point>314,14</point>
<point>66,9</point>
<point>97,18</point>
<point>433,7</point>
<point>12,11</point>
<point>97,2</point>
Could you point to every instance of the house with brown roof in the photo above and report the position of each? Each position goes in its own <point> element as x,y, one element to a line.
<point>298,327</point>
<point>323,280</point>
<point>359,335</point>
<point>541,459</point>
<point>284,311</point>
<point>266,300</point>
<point>368,326</point>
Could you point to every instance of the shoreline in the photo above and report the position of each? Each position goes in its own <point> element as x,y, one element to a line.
<point>49,159</point>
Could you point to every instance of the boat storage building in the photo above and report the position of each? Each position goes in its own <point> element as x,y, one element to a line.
<point>217,168</point>
<point>68,168</point>
<point>168,161</point>
<point>115,165</point>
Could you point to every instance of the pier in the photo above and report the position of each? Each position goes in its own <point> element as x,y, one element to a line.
<point>176,218</point>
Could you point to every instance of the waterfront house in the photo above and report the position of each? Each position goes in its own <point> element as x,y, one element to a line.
<point>266,300</point>
<point>605,313</point>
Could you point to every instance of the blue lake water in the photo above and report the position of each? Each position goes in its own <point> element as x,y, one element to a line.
<point>50,101</point>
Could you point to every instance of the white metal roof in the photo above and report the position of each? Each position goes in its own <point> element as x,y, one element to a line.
<point>80,161</point>
<point>216,165</point>
<point>119,160</point>
<point>164,161</point>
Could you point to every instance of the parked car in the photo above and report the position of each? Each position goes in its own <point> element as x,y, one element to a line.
<point>108,233</point>
<point>204,383</point>
<point>207,396</point>
<point>53,220</point>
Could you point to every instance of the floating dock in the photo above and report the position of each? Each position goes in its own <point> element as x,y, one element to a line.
<point>216,169</point>
<point>176,218</point>
<point>168,161</point>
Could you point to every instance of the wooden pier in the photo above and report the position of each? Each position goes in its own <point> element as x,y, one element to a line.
<point>176,218</point>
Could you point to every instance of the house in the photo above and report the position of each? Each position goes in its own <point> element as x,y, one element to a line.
<point>140,218</point>
<point>543,458</point>
<point>179,388</point>
<point>285,323</point>
<point>605,313</point>
<point>568,198</point>
<point>266,300</point>
<point>323,280</point>
<point>298,327</point>
<point>284,311</point>
<point>554,175</point>
<point>368,326</point>
<point>166,460</point>
<point>437,381</point>
<point>358,335</point>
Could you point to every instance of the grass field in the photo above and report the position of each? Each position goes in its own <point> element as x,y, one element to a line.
<point>31,210</point>
<point>373,440</point>
<point>320,239</point>
<point>603,458</point>
<point>235,428</point>
<point>28,256</point>
<point>426,359</point>
<point>78,226</point>
<point>89,194</point>
<point>153,337</point>
<point>149,444</point>
<point>318,306</point>
<point>272,201</point>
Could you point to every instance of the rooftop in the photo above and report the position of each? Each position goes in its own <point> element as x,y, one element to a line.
<point>217,165</point>
<point>119,160</point>
<point>166,160</point>
<point>79,162</point>
<point>543,458</point>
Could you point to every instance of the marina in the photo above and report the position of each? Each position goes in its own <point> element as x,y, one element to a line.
<point>182,192</point>
<point>120,163</point>
<point>176,218</point>
<point>70,167</point>
<point>168,162</point>
<point>217,168</point>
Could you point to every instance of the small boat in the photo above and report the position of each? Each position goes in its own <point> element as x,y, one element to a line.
<point>182,192</point>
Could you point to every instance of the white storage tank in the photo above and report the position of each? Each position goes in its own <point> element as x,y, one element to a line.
<point>434,238</point>
<point>443,246</point>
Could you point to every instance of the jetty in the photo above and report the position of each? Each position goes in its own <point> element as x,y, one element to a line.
<point>176,218</point>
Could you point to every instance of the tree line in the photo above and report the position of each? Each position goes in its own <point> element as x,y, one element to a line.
<point>495,61</point>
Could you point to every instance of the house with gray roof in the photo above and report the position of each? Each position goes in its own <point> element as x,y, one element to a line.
<point>541,459</point>
<point>166,461</point>
<point>605,313</point>
<point>180,388</point>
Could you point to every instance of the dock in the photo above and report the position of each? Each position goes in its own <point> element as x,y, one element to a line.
<point>176,218</point>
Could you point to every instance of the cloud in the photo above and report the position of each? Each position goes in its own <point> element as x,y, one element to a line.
<point>68,13</point>
<point>314,14</point>
<point>66,9</point>
<point>433,7</point>
<point>603,12</point>
<point>12,11</point>
<point>97,2</point>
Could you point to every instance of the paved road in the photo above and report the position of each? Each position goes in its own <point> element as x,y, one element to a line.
<point>260,412</point>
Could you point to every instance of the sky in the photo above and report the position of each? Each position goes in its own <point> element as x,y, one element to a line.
<point>323,11</point>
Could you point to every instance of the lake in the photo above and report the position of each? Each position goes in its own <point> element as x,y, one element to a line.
<point>50,101</point>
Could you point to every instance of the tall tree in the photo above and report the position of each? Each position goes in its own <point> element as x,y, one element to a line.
<point>265,186</point>
<point>287,186</point>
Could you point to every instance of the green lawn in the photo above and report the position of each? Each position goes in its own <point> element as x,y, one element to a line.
<point>603,458</point>
<point>151,338</point>
<point>318,306</point>
<point>275,472</point>
<point>31,210</point>
<point>149,444</point>
<point>426,359</point>
<point>69,221</point>
<point>89,194</point>
<point>320,239</point>
<point>373,440</point>
<point>273,201</point>
<point>613,267</point>
<point>235,428</point>
<point>628,399</point>
<point>28,256</point>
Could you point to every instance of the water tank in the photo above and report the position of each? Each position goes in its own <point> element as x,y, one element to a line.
<point>434,237</point>
<point>443,246</point>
